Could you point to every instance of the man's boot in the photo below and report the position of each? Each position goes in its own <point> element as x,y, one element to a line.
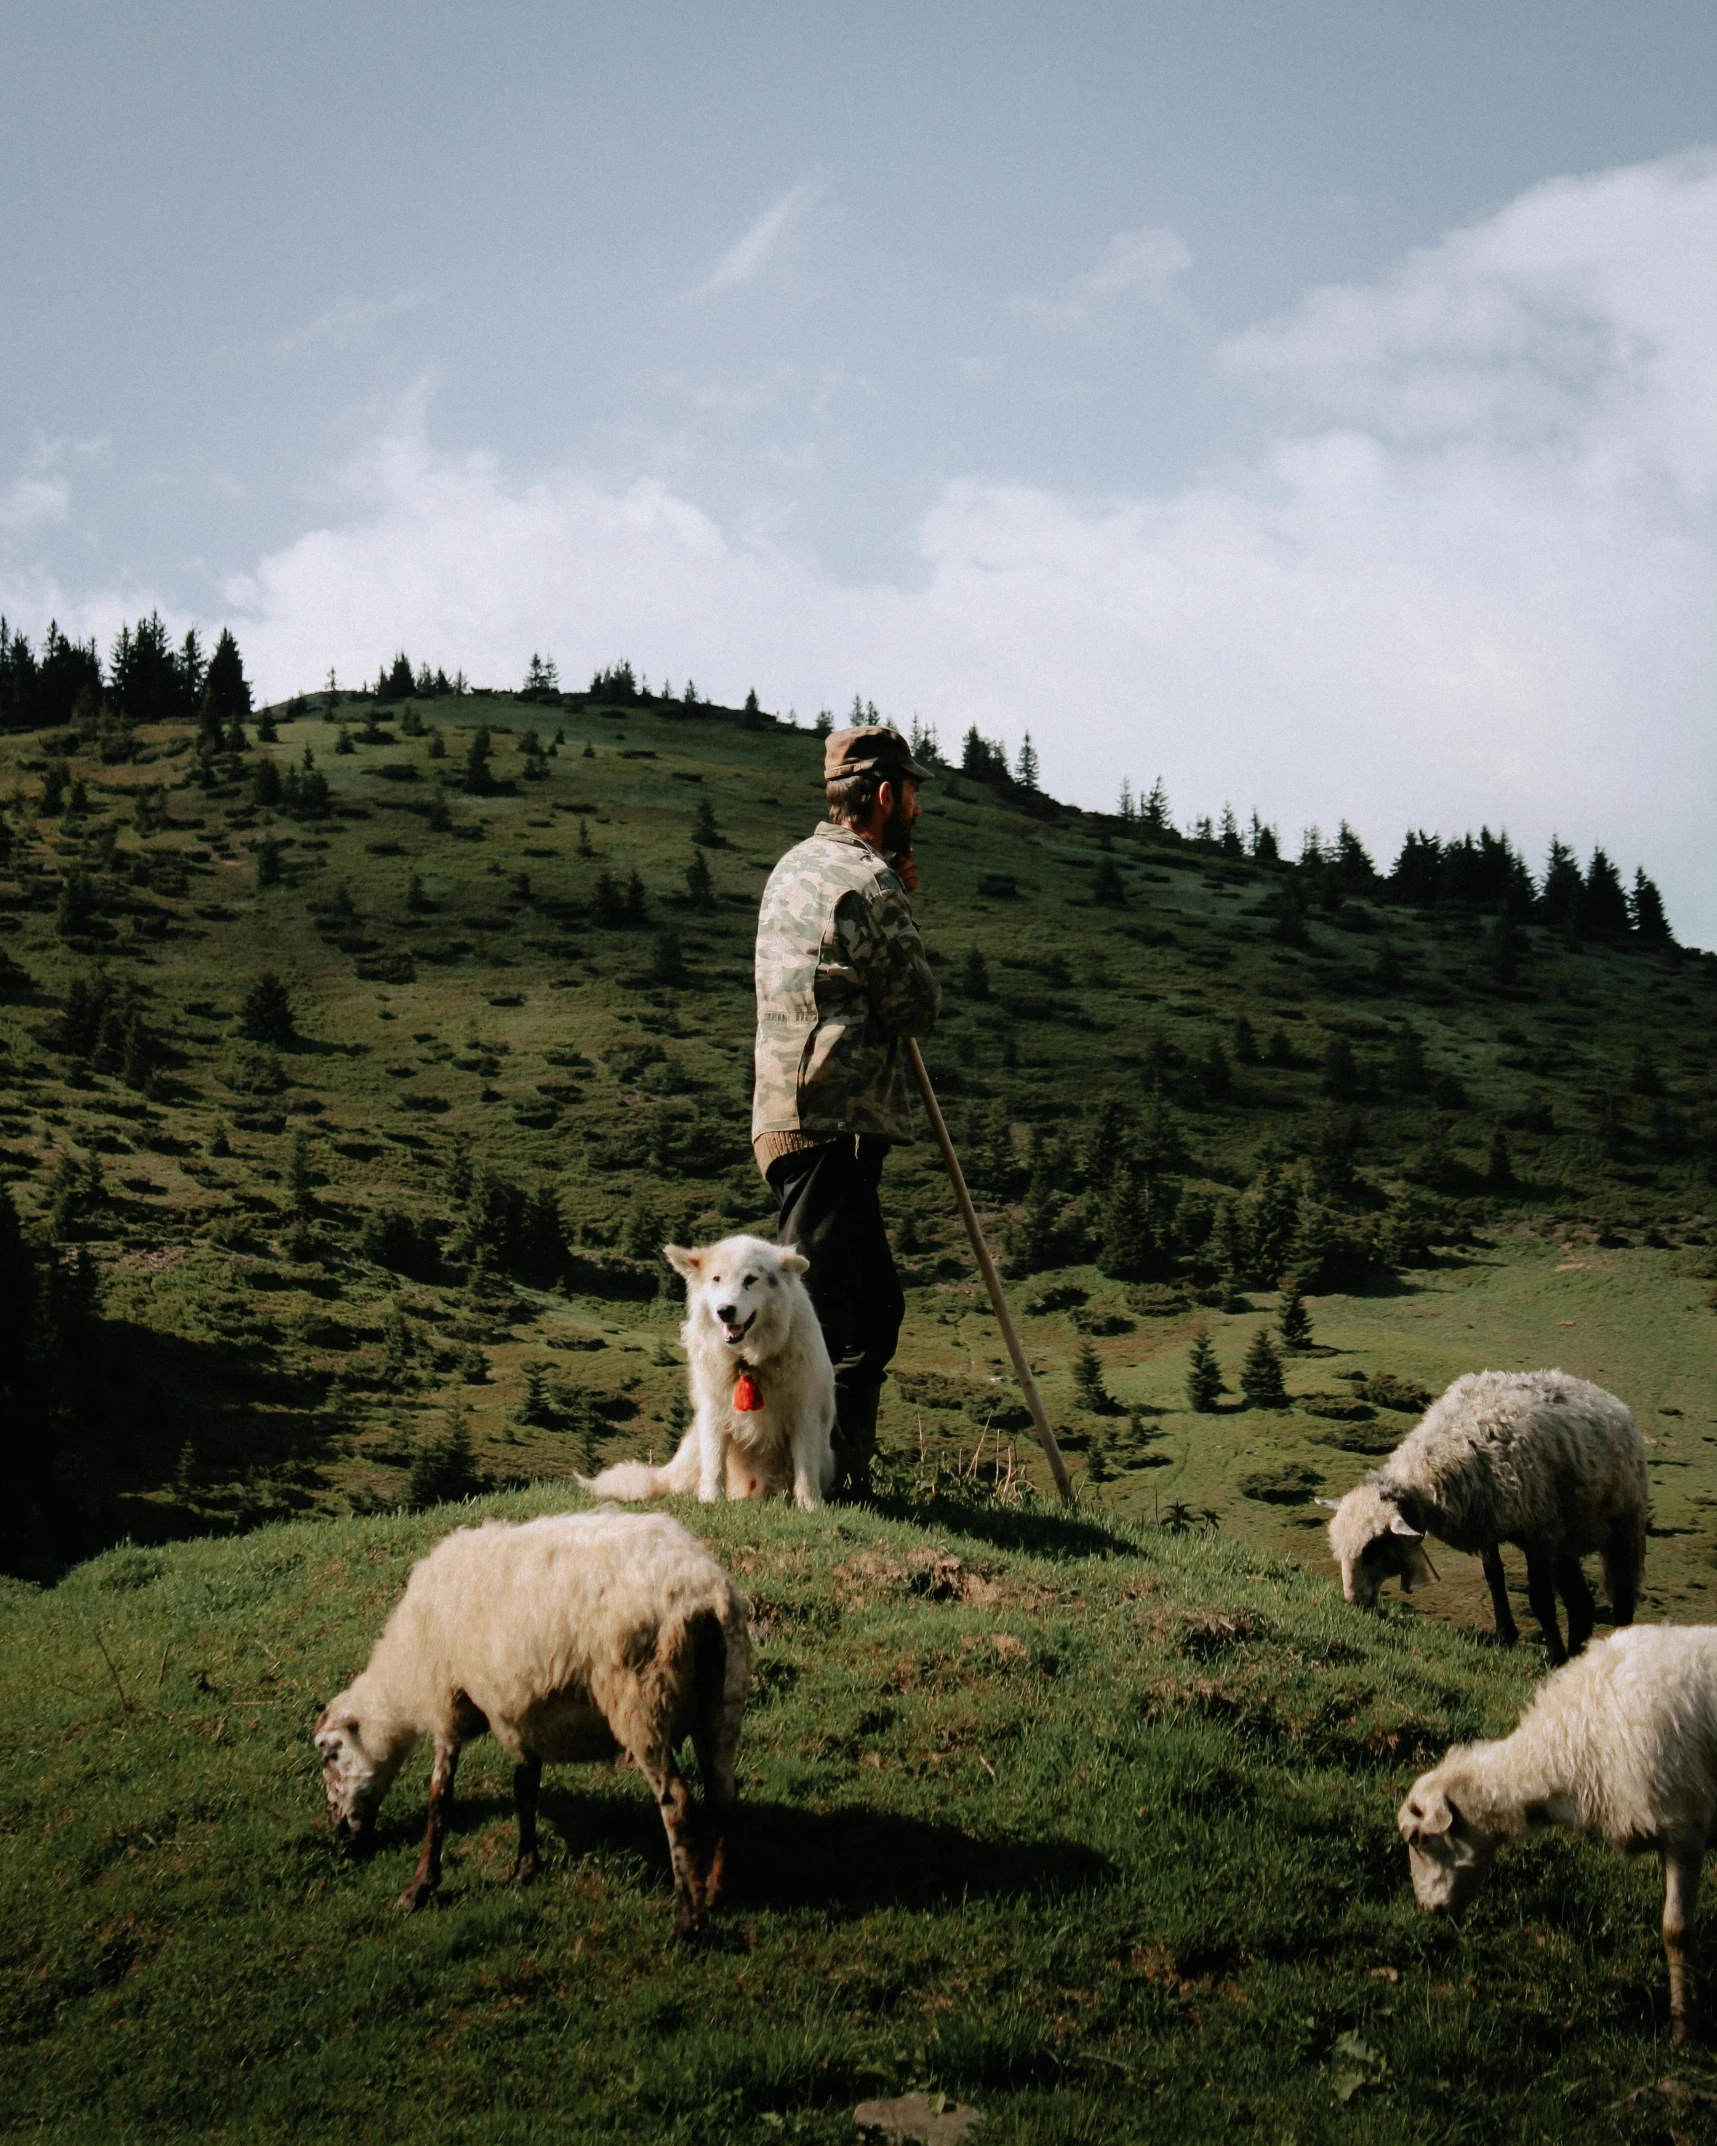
<point>855,1439</point>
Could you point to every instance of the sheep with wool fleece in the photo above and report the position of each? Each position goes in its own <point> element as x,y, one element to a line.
<point>570,1638</point>
<point>1621,1745</point>
<point>1537,1458</point>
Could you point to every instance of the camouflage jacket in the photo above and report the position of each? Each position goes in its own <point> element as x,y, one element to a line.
<point>841,976</point>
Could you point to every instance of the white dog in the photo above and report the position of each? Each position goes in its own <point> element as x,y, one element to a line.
<point>763,1389</point>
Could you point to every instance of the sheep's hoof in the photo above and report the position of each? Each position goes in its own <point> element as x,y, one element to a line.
<point>688,1928</point>
<point>415,1895</point>
<point>524,1870</point>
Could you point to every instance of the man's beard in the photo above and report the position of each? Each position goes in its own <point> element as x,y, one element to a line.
<point>897,831</point>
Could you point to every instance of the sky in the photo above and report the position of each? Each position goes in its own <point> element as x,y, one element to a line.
<point>1312,406</point>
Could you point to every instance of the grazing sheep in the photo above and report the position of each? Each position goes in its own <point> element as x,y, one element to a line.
<point>569,1638</point>
<point>1621,1744</point>
<point>1536,1458</point>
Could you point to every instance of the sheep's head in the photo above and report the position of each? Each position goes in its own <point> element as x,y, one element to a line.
<point>1374,1538</point>
<point>1446,1852</point>
<point>357,1771</point>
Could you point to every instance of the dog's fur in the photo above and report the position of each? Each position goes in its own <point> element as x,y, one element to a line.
<point>746,1310</point>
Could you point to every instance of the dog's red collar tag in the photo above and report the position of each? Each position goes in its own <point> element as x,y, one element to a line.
<point>747,1394</point>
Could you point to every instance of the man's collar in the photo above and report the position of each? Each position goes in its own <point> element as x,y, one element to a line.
<point>831,831</point>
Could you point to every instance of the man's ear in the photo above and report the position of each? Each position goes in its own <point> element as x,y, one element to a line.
<point>690,1264</point>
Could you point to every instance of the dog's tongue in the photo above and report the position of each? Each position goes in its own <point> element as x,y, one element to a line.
<point>747,1394</point>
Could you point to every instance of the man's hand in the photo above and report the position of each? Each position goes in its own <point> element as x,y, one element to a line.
<point>904,865</point>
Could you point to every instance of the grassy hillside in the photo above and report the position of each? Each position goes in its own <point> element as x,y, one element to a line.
<point>1090,1827</point>
<point>408,1245</point>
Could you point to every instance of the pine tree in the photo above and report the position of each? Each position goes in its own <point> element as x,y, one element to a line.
<point>704,830</point>
<point>1126,808</point>
<point>1154,815</point>
<point>1504,945</point>
<point>1408,1072</point>
<point>1560,897</point>
<point>1088,1386</point>
<point>265,1013</point>
<point>1106,888</point>
<point>1034,1240</point>
<point>478,780</point>
<point>1645,908</point>
<point>396,1343</point>
<point>700,887</point>
<point>440,814</point>
<point>1499,1169</point>
<point>1203,1376</point>
<point>1025,767</point>
<point>538,1407</point>
<point>1228,834</point>
<point>1246,1052</point>
<point>637,905</point>
<point>975,975</point>
<point>1261,1375</point>
<point>268,853</point>
<point>669,964</point>
<point>641,1227</point>
<point>301,1176</point>
<point>1341,1074</point>
<point>226,691</point>
<point>1127,1247</point>
<point>1293,1320</point>
<point>416,901</point>
<point>1603,912</point>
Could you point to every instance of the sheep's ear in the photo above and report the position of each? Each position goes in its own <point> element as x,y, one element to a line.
<point>690,1264</point>
<point>1399,1524</point>
<point>1426,1815</point>
<point>793,1262</point>
<point>1334,1504</point>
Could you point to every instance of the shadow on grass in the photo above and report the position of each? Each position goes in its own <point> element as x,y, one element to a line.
<point>847,1860</point>
<point>1039,1534</point>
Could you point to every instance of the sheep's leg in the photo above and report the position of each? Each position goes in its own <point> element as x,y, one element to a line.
<point>1506,1628</point>
<point>427,1875</point>
<point>1582,1610</point>
<point>715,1764</point>
<point>1680,1901</point>
<point>1621,1571</point>
<point>527,1779</point>
<point>1541,1593</point>
<point>673,1800</point>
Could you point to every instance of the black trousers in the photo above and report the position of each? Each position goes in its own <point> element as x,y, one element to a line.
<point>830,1211</point>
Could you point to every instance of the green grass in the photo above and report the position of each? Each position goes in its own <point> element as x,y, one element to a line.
<point>257,1380</point>
<point>1093,1828</point>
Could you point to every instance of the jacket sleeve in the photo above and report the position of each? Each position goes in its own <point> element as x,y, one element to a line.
<point>882,943</point>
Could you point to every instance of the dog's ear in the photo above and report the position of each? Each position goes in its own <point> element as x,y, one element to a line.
<point>690,1264</point>
<point>793,1262</point>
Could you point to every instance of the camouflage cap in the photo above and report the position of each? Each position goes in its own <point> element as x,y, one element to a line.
<point>871,748</point>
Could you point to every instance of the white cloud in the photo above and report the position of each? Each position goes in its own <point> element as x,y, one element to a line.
<point>751,253</point>
<point>1146,264</point>
<point>1470,577</point>
<point>350,322</point>
<point>30,503</point>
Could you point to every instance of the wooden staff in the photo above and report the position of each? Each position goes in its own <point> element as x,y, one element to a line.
<point>992,1280</point>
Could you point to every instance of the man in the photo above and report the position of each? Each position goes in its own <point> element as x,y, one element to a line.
<point>842,976</point>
